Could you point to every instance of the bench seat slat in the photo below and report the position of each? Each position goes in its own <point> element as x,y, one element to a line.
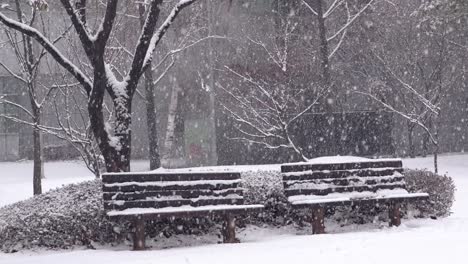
<point>343,189</point>
<point>183,211</point>
<point>168,176</point>
<point>308,203</point>
<point>188,194</point>
<point>121,205</point>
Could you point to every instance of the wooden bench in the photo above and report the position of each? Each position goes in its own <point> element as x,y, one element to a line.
<point>139,197</point>
<point>317,186</point>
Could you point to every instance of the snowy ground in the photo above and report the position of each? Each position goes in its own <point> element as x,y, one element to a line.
<point>416,241</point>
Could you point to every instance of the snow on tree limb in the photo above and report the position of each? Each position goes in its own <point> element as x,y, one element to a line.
<point>105,28</point>
<point>79,27</point>
<point>162,30</point>
<point>54,52</point>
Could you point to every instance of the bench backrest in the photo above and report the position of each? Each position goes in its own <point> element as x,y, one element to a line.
<point>325,179</point>
<point>173,189</point>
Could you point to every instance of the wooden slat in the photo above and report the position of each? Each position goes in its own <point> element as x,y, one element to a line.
<point>344,189</point>
<point>344,182</point>
<point>204,213</point>
<point>308,175</point>
<point>186,194</point>
<point>342,166</point>
<point>138,188</point>
<point>183,176</point>
<point>170,203</point>
<point>360,202</point>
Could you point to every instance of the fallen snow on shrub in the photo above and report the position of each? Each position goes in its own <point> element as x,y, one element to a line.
<point>441,190</point>
<point>72,215</point>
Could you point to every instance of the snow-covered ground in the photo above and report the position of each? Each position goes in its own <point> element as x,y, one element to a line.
<point>16,178</point>
<point>416,241</point>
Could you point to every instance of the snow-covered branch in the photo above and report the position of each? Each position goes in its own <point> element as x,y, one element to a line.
<point>156,38</point>
<point>53,51</point>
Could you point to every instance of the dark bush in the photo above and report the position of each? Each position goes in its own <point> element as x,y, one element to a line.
<point>441,190</point>
<point>74,216</point>
<point>266,187</point>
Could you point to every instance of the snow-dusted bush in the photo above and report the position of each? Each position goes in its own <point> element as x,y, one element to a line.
<point>441,190</point>
<point>74,216</point>
<point>266,187</point>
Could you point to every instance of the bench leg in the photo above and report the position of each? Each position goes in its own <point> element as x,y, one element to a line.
<point>139,236</point>
<point>394,214</point>
<point>229,230</point>
<point>318,223</point>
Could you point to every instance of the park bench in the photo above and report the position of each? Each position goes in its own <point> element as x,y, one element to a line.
<point>318,186</point>
<point>139,197</point>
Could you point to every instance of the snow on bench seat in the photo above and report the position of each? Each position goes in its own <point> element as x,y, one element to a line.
<point>348,198</point>
<point>182,209</point>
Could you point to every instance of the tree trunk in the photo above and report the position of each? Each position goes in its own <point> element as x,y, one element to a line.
<point>151,118</point>
<point>38,168</point>
<point>212,93</point>
<point>436,144</point>
<point>115,149</point>
<point>151,112</point>
<point>424,145</point>
<point>171,124</point>
<point>410,140</point>
<point>123,132</point>
<point>324,53</point>
<point>329,104</point>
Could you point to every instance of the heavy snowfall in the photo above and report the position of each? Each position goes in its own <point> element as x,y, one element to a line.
<point>233,131</point>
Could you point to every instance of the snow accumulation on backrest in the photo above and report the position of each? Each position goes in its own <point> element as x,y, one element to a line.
<point>173,183</point>
<point>339,160</point>
<point>353,181</point>
<point>162,171</point>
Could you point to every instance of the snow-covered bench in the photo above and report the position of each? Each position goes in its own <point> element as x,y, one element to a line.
<point>316,186</point>
<point>156,195</point>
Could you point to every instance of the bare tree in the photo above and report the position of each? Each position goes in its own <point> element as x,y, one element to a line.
<point>332,31</point>
<point>29,62</point>
<point>415,81</point>
<point>264,112</point>
<point>115,148</point>
<point>72,122</point>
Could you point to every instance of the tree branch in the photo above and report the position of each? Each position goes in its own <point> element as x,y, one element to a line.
<point>53,51</point>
